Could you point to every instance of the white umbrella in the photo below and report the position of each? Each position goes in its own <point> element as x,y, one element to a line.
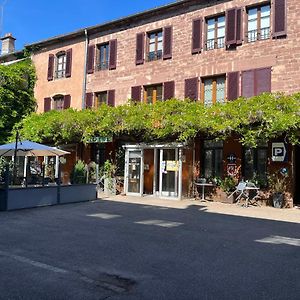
<point>28,148</point>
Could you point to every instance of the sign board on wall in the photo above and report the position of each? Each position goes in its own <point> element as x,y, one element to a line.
<point>279,152</point>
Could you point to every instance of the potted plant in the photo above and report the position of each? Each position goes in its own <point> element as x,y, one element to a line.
<point>109,173</point>
<point>278,183</point>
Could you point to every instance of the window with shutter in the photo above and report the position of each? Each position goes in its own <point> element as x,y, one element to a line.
<point>169,90</point>
<point>67,101</point>
<point>103,55</point>
<point>213,90</point>
<point>58,102</point>
<point>111,97</point>
<point>255,82</point>
<point>231,27</point>
<point>233,85</point>
<point>258,23</point>
<point>197,36</point>
<point>140,48</point>
<point>89,100</point>
<point>248,83</point>
<point>279,18</point>
<point>136,92</point>
<point>50,67</point>
<point>90,59</point>
<point>167,41</point>
<point>154,45</point>
<point>113,54</point>
<point>100,98</point>
<point>215,33</point>
<point>68,63</point>
<point>61,63</point>
<point>153,93</point>
<point>191,87</point>
<point>47,104</point>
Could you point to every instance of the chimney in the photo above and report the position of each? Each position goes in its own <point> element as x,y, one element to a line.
<point>8,44</point>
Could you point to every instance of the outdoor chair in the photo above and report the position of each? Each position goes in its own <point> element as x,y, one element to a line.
<point>253,193</point>
<point>240,191</point>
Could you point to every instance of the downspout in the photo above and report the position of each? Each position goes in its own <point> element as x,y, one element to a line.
<point>84,69</point>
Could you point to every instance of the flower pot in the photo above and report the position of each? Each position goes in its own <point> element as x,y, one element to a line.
<point>278,200</point>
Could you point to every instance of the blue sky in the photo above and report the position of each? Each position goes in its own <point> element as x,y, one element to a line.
<point>34,20</point>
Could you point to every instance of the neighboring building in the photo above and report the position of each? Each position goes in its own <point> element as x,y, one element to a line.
<point>209,51</point>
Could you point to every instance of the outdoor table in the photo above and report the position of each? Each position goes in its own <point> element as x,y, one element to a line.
<point>203,185</point>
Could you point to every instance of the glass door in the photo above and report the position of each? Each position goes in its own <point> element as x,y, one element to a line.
<point>134,170</point>
<point>169,171</point>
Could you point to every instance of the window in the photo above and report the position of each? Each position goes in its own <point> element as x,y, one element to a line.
<point>255,164</point>
<point>153,93</point>
<point>101,98</point>
<point>259,23</point>
<point>61,65</point>
<point>213,90</point>
<point>212,158</point>
<point>103,57</point>
<point>58,102</point>
<point>215,38</point>
<point>155,45</point>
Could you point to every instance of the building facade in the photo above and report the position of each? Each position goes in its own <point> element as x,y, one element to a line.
<point>208,51</point>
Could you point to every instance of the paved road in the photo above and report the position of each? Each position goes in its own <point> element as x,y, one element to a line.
<point>113,250</point>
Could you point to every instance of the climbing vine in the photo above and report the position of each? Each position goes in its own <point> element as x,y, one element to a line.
<point>17,82</point>
<point>257,119</point>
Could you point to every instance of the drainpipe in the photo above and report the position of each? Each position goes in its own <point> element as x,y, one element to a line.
<point>84,69</point>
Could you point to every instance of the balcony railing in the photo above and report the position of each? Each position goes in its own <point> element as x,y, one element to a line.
<point>155,55</point>
<point>215,43</point>
<point>60,74</point>
<point>102,65</point>
<point>254,35</point>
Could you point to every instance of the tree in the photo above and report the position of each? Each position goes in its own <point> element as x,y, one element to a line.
<point>17,82</point>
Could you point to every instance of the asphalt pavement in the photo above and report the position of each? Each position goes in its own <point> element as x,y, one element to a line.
<point>118,250</point>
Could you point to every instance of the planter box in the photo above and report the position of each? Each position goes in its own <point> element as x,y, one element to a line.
<point>219,195</point>
<point>18,198</point>
<point>77,193</point>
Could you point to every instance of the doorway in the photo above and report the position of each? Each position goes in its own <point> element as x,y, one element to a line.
<point>153,170</point>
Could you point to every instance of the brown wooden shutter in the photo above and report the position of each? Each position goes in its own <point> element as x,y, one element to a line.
<point>167,42</point>
<point>47,104</point>
<point>197,36</point>
<point>50,67</point>
<point>88,100</point>
<point>136,93</point>
<point>111,98</point>
<point>239,26</point>
<point>169,90</point>
<point>191,88</point>
<point>140,37</point>
<point>68,62</point>
<point>90,59</point>
<point>67,101</point>
<point>248,78</point>
<point>279,18</point>
<point>231,27</point>
<point>233,85</point>
<point>112,54</point>
<point>262,81</point>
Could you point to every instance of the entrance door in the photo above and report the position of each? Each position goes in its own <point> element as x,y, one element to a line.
<point>134,172</point>
<point>169,173</point>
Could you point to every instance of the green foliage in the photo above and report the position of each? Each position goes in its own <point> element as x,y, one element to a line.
<point>79,173</point>
<point>228,184</point>
<point>278,182</point>
<point>253,120</point>
<point>16,95</point>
